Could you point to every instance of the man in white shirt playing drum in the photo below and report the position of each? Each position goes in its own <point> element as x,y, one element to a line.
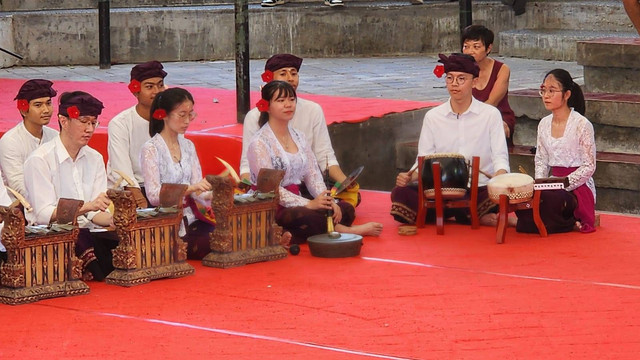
<point>460,125</point>
<point>34,105</point>
<point>66,167</point>
<point>129,130</point>
<point>308,118</point>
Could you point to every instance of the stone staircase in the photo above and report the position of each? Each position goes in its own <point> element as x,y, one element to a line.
<point>550,29</point>
<point>611,68</point>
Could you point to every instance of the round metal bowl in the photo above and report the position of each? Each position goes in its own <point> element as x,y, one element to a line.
<point>346,245</point>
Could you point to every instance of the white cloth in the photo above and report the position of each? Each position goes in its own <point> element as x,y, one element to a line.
<point>476,132</point>
<point>4,201</point>
<point>51,174</point>
<point>158,168</point>
<point>128,131</point>
<point>265,151</point>
<point>309,119</point>
<point>576,148</point>
<point>15,146</point>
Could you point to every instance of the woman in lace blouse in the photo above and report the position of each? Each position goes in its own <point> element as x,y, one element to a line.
<point>279,146</point>
<point>566,148</point>
<point>170,158</point>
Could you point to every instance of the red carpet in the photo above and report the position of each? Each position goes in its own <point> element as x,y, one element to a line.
<point>457,296</point>
<point>215,131</point>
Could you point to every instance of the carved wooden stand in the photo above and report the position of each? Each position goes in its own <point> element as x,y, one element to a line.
<point>244,233</point>
<point>149,248</point>
<point>39,266</point>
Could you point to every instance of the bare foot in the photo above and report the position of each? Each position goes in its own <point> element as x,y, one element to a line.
<point>578,226</point>
<point>512,221</point>
<point>368,229</point>
<point>285,238</point>
<point>489,219</point>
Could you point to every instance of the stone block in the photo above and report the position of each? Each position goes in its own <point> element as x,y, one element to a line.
<point>6,42</point>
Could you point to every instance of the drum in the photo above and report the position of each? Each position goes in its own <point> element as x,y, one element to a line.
<point>454,175</point>
<point>518,187</point>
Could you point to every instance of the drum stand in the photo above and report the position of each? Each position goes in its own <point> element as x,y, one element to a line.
<point>506,208</point>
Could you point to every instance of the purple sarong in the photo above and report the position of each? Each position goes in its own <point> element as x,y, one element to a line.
<point>585,212</point>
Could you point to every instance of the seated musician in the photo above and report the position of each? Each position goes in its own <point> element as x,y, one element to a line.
<point>66,167</point>
<point>170,158</point>
<point>4,201</point>
<point>565,148</point>
<point>460,125</point>
<point>308,118</point>
<point>34,105</point>
<point>492,86</point>
<point>129,130</point>
<point>277,145</point>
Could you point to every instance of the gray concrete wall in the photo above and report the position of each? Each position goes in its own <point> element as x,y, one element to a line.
<point>206,32</point>
<point>6,42</point>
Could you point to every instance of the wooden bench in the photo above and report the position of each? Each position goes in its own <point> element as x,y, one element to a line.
<point>40,266</point>
<point>149,247</point>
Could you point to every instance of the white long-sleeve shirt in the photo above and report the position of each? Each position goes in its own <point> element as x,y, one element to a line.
<point>476,132</point>
<point>51,174</point>
<point>15,146</point>
<point>309,119</point>
<point>4,201</point>
<point>576,148</point>
<point>127,131</point>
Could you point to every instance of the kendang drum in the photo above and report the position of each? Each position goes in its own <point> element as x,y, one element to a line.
<point>454,175</point>
<point>518,187</point>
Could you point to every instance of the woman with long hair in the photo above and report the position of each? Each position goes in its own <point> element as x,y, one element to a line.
<point>565,148</point>
<point>277,145</point>
<point>170,158</point>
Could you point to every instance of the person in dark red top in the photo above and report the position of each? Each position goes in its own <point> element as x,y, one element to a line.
<point>492,86</point>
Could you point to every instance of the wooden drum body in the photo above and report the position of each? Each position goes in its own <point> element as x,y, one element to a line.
<point>39,266</point>
<point>454,174</point>
<point>245,232</point>
<point>518,187</point>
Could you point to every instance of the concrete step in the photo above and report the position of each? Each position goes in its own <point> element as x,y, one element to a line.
<point>575,15</point>
<point>550,44</point>
<point>614,117</point>
<point>610,64</point>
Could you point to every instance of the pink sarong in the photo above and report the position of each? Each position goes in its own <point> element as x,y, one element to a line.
<point>586,210</point>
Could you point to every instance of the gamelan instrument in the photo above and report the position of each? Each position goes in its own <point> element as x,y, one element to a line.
<point>517,187</point>
<point>454,175</point>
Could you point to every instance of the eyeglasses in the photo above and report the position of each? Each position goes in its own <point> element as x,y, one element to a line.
<point>459,80</point>
<point>86,120</point>
<point>184,116</point>
<point>544,92</point>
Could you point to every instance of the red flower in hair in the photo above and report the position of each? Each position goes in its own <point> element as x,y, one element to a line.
<point>263,105</point>
<point>267,76</point>
<point>438,70</point>
<point>23,105</point>
<point>73,112</point>
<point>159,114</point>
<point>134,86</point>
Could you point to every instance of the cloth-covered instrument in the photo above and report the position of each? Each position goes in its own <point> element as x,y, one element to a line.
<point>454,175</point>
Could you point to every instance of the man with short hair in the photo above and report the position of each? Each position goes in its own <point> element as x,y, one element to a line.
<point>34,105</point>
<point>461,125</point>
<point>129,130</point>
<point>66,167</point>
<point>308,118</point>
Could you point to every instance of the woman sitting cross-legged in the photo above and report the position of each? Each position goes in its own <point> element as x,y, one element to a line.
<point>170,158</point>
<point>279,146</point>
<point>565,147</point>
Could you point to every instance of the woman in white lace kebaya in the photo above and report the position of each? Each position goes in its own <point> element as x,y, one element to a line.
<point>169,158</point>
<point>565,148</point>
<point>279,146</point>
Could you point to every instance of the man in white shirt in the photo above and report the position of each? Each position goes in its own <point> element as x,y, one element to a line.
<point>66,167</point>
<point>460,125</point>
<point>34,105</point>
<point>4,201</point>
<point>308,118</point>
<point>129,130</point>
